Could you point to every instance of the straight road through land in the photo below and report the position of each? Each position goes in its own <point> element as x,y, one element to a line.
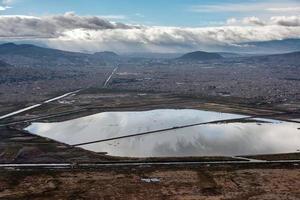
<point>133,164</point>
<point>37,105</point>
<point>110,76</point>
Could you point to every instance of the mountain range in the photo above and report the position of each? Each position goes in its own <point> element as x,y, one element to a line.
<point>35,56</point>
<point>28,55</point>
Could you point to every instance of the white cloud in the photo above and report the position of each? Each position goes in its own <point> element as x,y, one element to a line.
<point>7,2</point>
<point>263,7</point>
<point>4,8</point>
<point>286,20</point>
<point>113,17</point>
<point>232,21</point>
<point>52,26</point>
<point>169,39</point>
<point>245,21</point>
<point>275,20</point>
<point>93,33</point>
<point>284,9</point>
<point>254,21</point>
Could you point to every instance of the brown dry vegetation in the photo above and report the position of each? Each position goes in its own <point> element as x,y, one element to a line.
<point>185,183</point>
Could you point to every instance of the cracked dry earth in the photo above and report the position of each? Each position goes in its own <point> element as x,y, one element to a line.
<point>186,184</point>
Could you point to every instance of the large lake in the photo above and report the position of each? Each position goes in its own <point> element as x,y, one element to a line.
<point>217,139</point>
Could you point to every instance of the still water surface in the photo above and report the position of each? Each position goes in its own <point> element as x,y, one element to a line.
<point>225,139</point>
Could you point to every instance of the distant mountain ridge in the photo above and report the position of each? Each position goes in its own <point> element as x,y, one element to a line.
<point>35,56</point>
<point>200,56</point>
<point>32,50</point>
<point>29,55</point>
<point>110,54</point>
<point>273,46</point>
<point>290,56</point>
<point>295,54</point>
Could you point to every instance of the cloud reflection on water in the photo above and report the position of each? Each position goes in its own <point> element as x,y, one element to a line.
<point>205,140</point>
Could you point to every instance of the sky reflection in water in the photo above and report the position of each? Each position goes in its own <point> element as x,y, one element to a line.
<point>205,140</point>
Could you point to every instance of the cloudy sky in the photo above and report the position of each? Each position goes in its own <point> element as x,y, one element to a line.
<point>148,26</point>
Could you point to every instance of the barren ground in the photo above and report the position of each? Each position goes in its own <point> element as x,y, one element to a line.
<point>181,183</point>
